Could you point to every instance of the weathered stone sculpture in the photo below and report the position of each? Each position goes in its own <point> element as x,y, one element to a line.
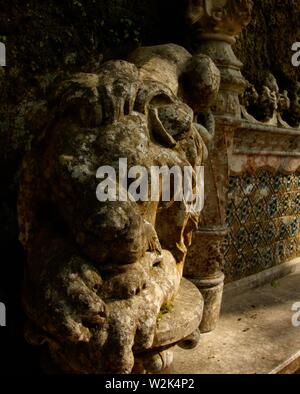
<point>271,104</point>
<point>103,285</point>
<point>268,107</point>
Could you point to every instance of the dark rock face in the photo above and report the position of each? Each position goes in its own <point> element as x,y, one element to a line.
<point>266,44</point>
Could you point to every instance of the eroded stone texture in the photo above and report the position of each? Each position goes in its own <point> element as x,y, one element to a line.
<point>98,274</point>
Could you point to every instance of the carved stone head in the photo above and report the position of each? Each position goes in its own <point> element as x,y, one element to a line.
<point>99,271</point>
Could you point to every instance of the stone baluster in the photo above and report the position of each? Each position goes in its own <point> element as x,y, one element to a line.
<point>214,26</point>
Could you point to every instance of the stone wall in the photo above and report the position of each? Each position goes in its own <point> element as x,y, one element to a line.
<point>265,45</point>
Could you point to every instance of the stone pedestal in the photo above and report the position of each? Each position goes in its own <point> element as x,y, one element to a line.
<point>212,291</point>
<point>205,268</point>
<point>177,327</point>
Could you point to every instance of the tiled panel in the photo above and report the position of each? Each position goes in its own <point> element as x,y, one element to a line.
<point>264,219</point>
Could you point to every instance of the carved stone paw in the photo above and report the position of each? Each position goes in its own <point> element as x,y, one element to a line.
<point>73,305</point>
<point>125,282</point>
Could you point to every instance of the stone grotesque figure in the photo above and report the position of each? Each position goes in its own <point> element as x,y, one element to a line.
<point>268,100</point>
<point>269,106</point>
<point>100,274</point>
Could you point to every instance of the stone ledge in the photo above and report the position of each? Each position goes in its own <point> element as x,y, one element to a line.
<point>255,335</point>
<point>289,366</point>
<point>253,281</point>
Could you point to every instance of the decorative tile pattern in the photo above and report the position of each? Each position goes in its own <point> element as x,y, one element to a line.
<point>264,218</point>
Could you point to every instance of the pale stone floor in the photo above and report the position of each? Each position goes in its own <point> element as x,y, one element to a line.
<point>255,335</point>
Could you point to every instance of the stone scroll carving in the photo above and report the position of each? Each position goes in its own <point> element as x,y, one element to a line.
<point>103,290</point>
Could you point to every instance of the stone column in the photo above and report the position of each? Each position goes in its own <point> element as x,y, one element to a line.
<point>215,24</point>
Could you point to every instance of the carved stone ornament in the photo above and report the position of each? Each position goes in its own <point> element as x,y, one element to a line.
<point>222,17</point>
<point>268,107</point>
<point>103,288</point>
<point>214,26</point>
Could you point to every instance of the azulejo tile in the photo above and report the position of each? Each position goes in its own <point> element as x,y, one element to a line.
<point>294,227</point>
<point>267,258</point>
<point>264,217</point>
<point>227,243</point>
<point>244,210</point>
<point>270,232</point>
<point>296,203</point>
<point>290,248</point>
<point>259,209</point>
<point>263,180</point>
<point>284,204</point>
<point>297,181</point>
<point>230,213</point>
<point>241,239</point>
<point>248,184</point>
<point>240,263</point>
<point>277,183</point>
<point>289,182</point>
<point>256,235</point>
<point>283,231</point>
<point>273,206</point>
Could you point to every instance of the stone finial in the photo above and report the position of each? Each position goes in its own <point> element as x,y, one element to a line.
<point>269,106</point>
<point>214,26</point>
<point>222,17</point>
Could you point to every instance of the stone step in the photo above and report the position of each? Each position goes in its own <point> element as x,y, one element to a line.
<point>255,334</point>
